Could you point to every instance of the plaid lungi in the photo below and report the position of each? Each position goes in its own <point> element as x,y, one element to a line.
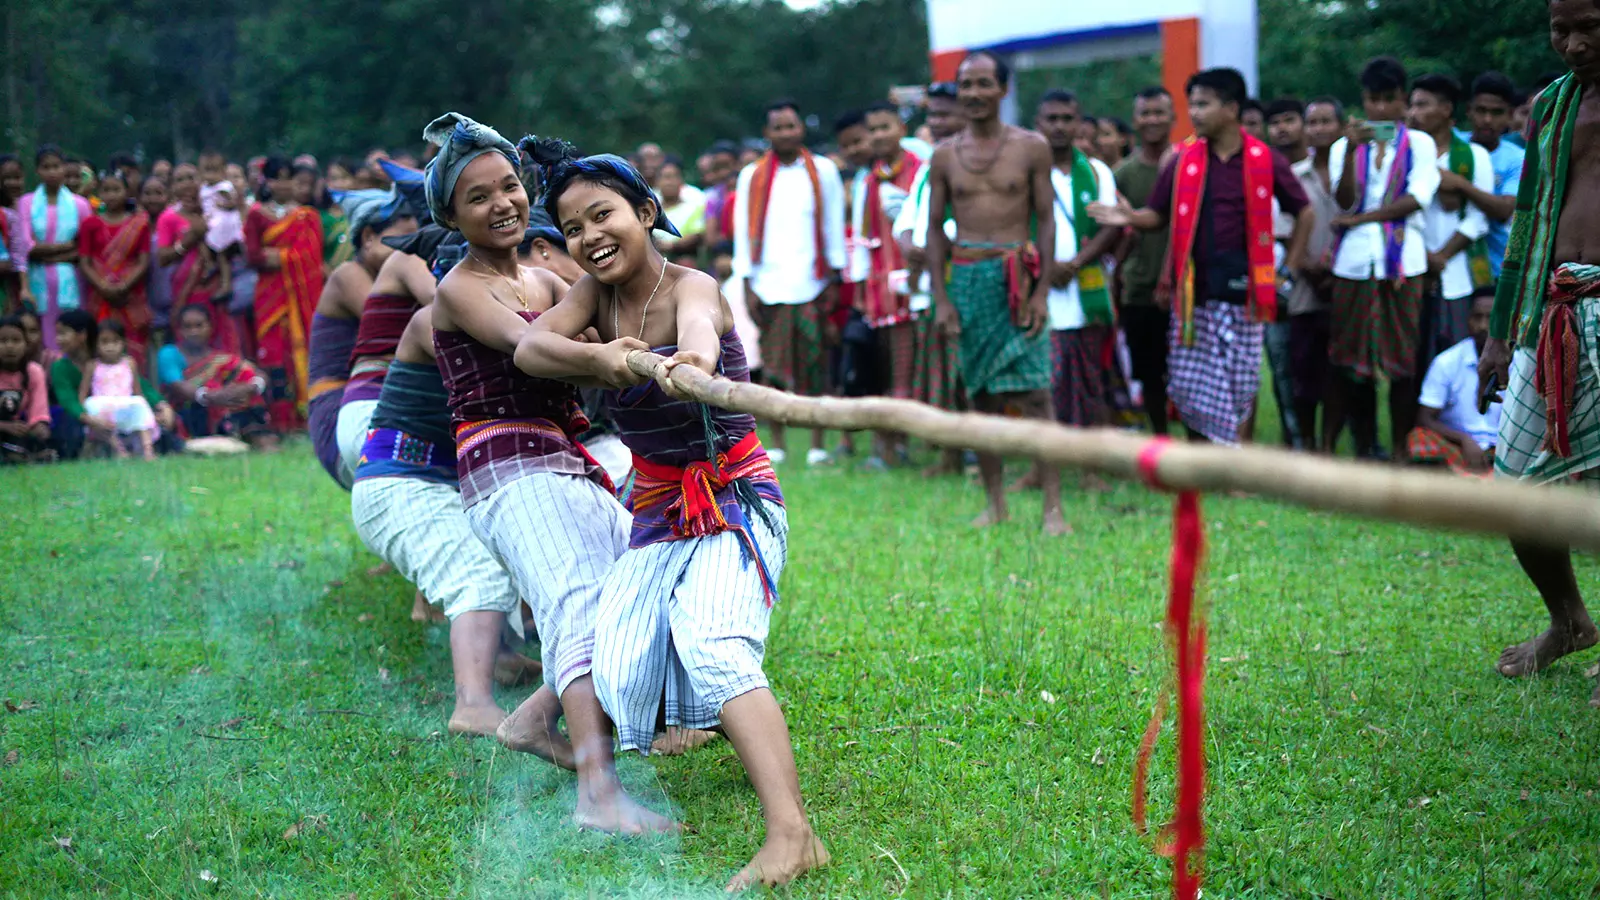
<point>897,348</point>
<point>1376,327</point>
<point>937,380</point>
<point>1520,452</point>
<point>1213,384</point>
<point>793,357</point>
<point>1424,445</point>
<point>997,357</point>
<point>1078,379</point>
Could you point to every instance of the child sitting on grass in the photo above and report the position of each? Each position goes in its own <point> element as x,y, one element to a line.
<point>24,400</point>
<point>110,391</point>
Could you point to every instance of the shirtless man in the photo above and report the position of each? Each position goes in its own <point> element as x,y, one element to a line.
<point>1551,277</point>
<point>997,178</point>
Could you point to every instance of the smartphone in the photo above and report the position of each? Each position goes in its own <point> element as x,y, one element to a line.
<point>1383,132</point>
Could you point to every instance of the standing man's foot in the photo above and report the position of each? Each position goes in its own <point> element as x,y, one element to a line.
<point>777,455</point>
<point>476,721</point>
<point>1537,653</point>
<point>817,456</point>
<point>678,741</point>
<point>1094,484</point>
<point>1055,524</point>
<point>614,812</point>
<point>1594,698</point>
<point>534,728</point>
<point>382,568</point>
<point>941,469</point>
<point>781,860</point>
<point>874,464</point>
<point>512,669</point>
<point>990,517</point>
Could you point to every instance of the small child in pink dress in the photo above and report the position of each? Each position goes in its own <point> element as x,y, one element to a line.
<point>110,390</point>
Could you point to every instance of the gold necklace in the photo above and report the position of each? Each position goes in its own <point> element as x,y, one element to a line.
<point>515,288</point>
<point>644,315</point>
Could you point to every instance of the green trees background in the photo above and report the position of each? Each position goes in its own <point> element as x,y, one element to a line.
<point>340,76</point>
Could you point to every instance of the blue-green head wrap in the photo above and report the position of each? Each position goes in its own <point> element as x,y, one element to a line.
<point>460,141</point>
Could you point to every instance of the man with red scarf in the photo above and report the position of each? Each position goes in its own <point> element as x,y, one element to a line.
<point>788,248</point>
<point>1221,277</point>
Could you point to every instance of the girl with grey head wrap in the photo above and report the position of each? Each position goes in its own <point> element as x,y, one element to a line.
<point>460,141</point>
<point>371,208</point>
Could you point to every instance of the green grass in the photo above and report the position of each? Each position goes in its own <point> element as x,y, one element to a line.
<point>211,665</point>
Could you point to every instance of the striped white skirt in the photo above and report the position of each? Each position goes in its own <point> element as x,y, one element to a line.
<point>689,617</point>
<point>419,528</point>
<point>355,420</point>
<point>558,536</point>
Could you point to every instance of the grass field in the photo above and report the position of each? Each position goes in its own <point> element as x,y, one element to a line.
<point>213,699</point>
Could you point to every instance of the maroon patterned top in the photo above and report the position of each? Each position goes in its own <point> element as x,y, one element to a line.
<point>384,318</point>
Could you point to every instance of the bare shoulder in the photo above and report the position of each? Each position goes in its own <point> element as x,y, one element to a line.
<point>549,289</point>
<point>1032,142</point>
<point>694,281</point>
<point>457,286</point>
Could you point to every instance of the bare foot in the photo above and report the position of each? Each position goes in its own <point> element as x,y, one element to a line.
<point>617,813</point>
<point>1539,652</point>
<point>382,568</point>
<point>1594,698</point>
<point>423,611</point>
<point>1094,484</point>
<point>678,741</point>
<point>990,517</point>
<point>514,669</point>
<point>534,728</point>
<point>781,860</point>
<point>1028,482</point>
<point>476,721</point>
<point>941,469</point>
<point>1055,524</point>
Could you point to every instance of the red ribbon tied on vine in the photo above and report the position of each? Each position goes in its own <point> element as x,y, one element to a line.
<point>1183,838</point>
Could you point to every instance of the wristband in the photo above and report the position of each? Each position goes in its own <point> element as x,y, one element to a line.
<point>200,395</point>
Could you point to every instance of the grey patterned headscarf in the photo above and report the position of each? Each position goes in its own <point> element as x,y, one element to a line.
<point>460,141</point>
<point>369,207</point>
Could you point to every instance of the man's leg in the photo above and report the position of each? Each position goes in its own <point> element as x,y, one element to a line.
<point>991,470</point>
<point>602,803</point>
<point>1402,414</point>
<point>1571,629</point>
<point>1054,522</point>
<point>755,726</point>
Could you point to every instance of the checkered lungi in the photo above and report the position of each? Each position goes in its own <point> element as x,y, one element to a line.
<point>997,357</point>
<point>1424,445</point>
<point>793,355</point>
<point>1519,452</point>
<point>937,380</point>
<point>419,527</point>
<point>557,536</point>
<point>1078,377</point>
<point>1213,384</point>
<point>1375,327</point>
<point>897,347</point>
<point>690,615</point>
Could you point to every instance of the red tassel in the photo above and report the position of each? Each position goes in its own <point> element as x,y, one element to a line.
<point>1188,633</point>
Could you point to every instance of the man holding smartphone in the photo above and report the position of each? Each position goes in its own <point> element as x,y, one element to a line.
<point>1384,175</point>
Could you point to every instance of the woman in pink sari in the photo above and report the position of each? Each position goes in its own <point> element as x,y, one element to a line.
<point>196,275</point>
<point>114,255</point>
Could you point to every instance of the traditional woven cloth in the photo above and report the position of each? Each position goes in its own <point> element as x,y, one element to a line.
<point>1522,449</point>
<point>793,357</point>
<point>937,379</point>
<point>997,357</point>
<point>1078,384</point>
<point>897,346</point>
<point>331,342</point>
<point>1375,327</point>
<point>1213,382</point>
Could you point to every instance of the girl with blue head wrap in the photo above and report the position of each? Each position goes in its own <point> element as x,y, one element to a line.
<point>530,492</point>
<point>683,614</point>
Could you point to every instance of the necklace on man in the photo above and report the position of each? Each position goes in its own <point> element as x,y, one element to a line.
<point>515,288</point>
<point>644,315</point>
<point>961,158</point>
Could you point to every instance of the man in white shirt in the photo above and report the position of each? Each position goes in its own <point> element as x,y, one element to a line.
<point>937,377</point>
<point>1456,228</point>
<point>1450,429</point>
<point>1082,324</point>
<point>1385,175</point>
<point>788,247</point>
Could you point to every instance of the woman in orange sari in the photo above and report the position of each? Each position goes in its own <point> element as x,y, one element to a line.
<point>114,255</point>
<point>283,242</point>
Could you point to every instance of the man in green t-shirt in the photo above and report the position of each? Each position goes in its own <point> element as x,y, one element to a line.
<point>1144,324</point>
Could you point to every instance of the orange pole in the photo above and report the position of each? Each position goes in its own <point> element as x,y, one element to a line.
<point>1180,58</point>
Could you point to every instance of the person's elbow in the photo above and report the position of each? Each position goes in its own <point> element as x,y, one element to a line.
<point>527,356</point>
